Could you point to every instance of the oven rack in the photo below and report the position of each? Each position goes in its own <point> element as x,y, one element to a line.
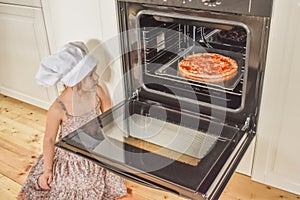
<point>156,51</point>
<point>152,45</point>
<point>199,92</point>
<point>203,89</point>
<point>169,70</point>
<point>168,43</point>
<point>154,31</point>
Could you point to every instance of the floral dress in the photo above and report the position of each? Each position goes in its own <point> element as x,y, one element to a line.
<point>73,176</point>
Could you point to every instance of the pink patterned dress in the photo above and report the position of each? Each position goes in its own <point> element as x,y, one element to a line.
<point>73,177</point>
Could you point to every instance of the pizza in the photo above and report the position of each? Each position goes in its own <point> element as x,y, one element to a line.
<point>208,67</point>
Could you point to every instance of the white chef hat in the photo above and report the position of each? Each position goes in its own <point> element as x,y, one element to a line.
<point>69,66</point>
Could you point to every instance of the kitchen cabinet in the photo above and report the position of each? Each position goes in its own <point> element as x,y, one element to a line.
<point>23,45</point>
<point>276,160</point>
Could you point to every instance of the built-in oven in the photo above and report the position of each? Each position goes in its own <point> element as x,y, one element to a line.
<point>177,133</point>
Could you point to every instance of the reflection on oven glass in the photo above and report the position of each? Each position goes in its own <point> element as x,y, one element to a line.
<point>88,136</point>
<point>162,138</point>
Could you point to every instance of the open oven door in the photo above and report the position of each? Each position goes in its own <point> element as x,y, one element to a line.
<point>153,144</point>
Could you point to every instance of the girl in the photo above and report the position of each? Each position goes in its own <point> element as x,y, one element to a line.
<point>59,174</point>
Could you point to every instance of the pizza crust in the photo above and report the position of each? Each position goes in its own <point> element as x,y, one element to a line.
<point>214,77</point>
<point>208,80</point>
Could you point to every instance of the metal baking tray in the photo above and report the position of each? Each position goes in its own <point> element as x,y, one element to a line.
<point>170,69</point>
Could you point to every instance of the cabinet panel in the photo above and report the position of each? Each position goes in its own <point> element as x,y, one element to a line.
<point>23,45</point>
<point>277,162</point>
<point>287,163</point>
<point>245,166</point>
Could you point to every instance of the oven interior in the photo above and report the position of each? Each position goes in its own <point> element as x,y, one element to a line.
<point>165,41</point>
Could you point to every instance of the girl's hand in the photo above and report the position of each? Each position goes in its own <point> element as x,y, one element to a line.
<point>45,179</point>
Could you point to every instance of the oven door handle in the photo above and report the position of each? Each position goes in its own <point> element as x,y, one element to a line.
<point>147,184</point>
<point>142,182</point>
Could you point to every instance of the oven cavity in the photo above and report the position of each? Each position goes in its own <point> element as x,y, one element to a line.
<point>164,41</point>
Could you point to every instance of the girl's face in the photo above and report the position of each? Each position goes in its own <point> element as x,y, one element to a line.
<point>90,81</point>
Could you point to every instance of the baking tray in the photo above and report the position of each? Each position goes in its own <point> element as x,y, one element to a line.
<point>170,69</point>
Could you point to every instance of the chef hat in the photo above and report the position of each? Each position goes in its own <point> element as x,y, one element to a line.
<point>69,66</point>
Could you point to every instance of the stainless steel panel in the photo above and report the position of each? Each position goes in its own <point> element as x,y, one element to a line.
<point>244,7</point>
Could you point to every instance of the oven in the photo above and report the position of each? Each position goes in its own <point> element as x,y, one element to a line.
<point>179,134</point>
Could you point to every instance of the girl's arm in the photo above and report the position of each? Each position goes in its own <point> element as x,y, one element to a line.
<point>54,117</point>
<point>104,98</point>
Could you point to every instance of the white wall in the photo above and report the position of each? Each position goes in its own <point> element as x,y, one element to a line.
<point>69,20</point>
<point>110,39</point>
<point>91,21</point>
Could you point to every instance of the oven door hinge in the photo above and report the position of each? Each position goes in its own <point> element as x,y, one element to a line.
<point>246,124</point>
<point>135,95</point>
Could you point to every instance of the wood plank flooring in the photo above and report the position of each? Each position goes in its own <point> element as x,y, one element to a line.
<point>21,133</point>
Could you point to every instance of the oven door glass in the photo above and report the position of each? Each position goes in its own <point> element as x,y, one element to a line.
<point>163,147</point>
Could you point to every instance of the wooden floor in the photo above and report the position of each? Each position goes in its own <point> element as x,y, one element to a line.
<point>21,133</point>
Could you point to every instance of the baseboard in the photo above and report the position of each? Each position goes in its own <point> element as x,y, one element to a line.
<point>25,98</point>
